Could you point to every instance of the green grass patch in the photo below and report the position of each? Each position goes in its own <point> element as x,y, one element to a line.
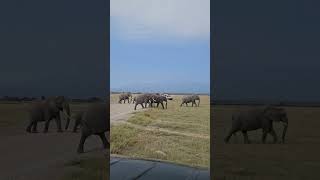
<point>129,141</point>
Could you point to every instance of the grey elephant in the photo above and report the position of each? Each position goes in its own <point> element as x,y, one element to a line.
<point>189,99</point>
<point>258,118</point>
<point>160,100</point>
<point>47,110</point>
<point>143,100</point>
<point>95,121</point>
<point>125,96</point>
<point>196,98</point>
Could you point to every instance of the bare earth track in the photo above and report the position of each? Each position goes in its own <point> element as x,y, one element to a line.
<point>40,155</point>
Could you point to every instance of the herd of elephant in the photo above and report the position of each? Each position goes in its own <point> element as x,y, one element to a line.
<point>244,121</point>
<point>93,120</point>
<point>149,99</point>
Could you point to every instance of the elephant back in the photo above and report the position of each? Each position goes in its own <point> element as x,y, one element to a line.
<point>95,119</point>
<point>187,98</point>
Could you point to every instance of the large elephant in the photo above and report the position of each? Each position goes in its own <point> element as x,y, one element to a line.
<point>159,100</point>
<point>189,99</point>
<point>143,99</point>
<point>95,121</point>
<point>196,97</point>
<point>125,96</point>
<point>47,110</point>
<point>258,118</point>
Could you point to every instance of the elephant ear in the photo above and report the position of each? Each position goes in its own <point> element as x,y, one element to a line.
<point>60,99</point>
<point>273,113</point>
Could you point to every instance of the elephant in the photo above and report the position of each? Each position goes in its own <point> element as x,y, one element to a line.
<point>143,99</point>
<point>124,97</point>
<point>258,118</point>
<point>95,120</point>
<point>46,110</point>
<point>189,99</point>
<point>159,100</point>
<point>196,97</point>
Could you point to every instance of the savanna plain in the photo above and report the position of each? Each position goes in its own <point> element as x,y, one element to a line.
<point>176,134</point>
<point>297,158</point>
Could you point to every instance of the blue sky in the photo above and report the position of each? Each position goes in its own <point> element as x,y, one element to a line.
<point>160,43</point>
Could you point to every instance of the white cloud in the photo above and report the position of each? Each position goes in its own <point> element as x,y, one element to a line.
<point>164,18</point>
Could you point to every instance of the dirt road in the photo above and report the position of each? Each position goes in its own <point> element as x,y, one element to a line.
<point>42,156</point>
<point>39,156</point>
<point>122,112</point>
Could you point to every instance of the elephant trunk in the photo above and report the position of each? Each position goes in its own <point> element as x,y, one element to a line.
<point>285,127</point>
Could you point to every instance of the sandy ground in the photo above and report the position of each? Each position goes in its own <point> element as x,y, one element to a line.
<point>298,158</point>
<point>122,112</point>
<point>38,156</point>
<point>42,156</point>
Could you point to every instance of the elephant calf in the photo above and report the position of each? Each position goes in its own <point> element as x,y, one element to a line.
<point>125,96</point>
<point>258,118</point>
<point>95,121</point>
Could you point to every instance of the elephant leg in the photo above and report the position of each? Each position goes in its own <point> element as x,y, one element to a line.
<point>67,123</point>
<point>162,105</point>
<point>227,138</point>
<point>104,140</point>
<point>245,136</point>
<point>58,122</point>
<point>264,136</point>
<point>76,126</point>
<point>46,126</point>
<point>34,128</point>
<point>142,106</point>
<point>81,144</point>
<point>29,126</point>
<point>157,105</point>
<point>275,138</point>
<point>135,107</point>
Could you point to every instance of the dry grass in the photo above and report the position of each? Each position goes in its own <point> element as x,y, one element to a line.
<point>296,159</point>
<point>129,141</point>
